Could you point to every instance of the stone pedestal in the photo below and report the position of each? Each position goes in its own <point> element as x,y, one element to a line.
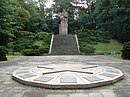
<point>63,28</point>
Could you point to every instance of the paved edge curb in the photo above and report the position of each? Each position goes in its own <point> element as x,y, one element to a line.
<point>84,86</point>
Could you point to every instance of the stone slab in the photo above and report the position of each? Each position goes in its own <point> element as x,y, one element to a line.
<point>27,75</point>
<point>43,79</point>
<point>92,78</point>
<point>111,70</point>
<point>108,75</point>
<point>68,79</point>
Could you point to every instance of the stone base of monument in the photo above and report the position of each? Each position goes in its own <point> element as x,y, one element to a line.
<point>69,76</point>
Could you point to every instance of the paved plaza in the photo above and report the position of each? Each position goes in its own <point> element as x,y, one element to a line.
<point>11,88</point>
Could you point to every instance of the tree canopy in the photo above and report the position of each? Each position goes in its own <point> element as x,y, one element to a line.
<point>21,18</point>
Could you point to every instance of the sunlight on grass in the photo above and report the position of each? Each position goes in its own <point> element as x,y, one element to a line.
<point>108,47</point>
<point>39,43</point>
<point>12,57</point>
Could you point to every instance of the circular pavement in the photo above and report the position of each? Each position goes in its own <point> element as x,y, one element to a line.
<point>67,76</point>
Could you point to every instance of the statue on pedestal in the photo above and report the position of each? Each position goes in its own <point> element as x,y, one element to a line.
<point>63,26</point>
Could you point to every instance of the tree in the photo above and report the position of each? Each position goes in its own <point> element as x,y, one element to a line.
<point>113,16</point>
<point>5,22</point>
<point>37,21</point>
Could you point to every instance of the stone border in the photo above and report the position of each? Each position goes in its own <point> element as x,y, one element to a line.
<point>75,86</point>
<point>52,38</point>
<point>77,43</point>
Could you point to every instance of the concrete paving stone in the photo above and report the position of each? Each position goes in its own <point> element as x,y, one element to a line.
<point>1,94</point>
<point>18,88</point>
<point>69,91</point>
<point>108,94</point>
<point>80,90</point>
<point>96,95</point>
<point>57,95</point>
<point>1,91</point>
<point>7,83</point>
<point>11,93</point>
<point>57,91</point>
<point>105,90</point>
<point>78,95</point>
<point>93,90</point>
<point>34,94</point>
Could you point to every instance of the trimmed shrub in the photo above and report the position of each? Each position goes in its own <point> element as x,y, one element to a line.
<point>93,36</point>
<point>34,45</point>
<point>3,52</point>
<point>21,44</point>
<point>30,52</point>
<point>126,51</point>
<point>35,52</point>
<point>86,48</point>
<point>44,36</point>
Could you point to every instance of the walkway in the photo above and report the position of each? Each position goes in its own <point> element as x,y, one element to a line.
<point>10,88</point>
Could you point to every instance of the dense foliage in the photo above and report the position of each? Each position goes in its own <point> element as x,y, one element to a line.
<point>19,20</point>
<point>3,52</point>
<point>35,44</point>
<point>126,51</point>
<point>93,36</point>
<point>22,20</point>
<point>114,16</point>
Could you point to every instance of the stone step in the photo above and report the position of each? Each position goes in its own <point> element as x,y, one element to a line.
<point>64,45</point>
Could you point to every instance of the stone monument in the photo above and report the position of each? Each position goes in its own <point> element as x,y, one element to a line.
<point>63,26</point>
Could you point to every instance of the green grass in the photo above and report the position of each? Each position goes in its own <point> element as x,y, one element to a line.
<point>108,47</point>
<point>12,57</point>
<point>116,56</point>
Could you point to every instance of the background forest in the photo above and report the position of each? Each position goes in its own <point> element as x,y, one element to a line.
<point>26,25</point>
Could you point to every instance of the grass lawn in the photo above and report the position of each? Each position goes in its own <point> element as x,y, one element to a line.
<point>12,57</point>
<point>116,56</point>
<point>108,47</point>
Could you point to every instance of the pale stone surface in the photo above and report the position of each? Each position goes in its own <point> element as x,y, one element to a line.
<point>56,95</point>
<point>108,94</point>
<point>78,95</point>
<point>43,79</point>
<point>27,75</point>
<point>92,78</point>
<point>15,89</point>
<point>68,79</point>
<point>108,75</point>
<point>96,95</point>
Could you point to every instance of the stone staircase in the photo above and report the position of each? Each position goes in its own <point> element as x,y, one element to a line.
<point>64,45</point>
